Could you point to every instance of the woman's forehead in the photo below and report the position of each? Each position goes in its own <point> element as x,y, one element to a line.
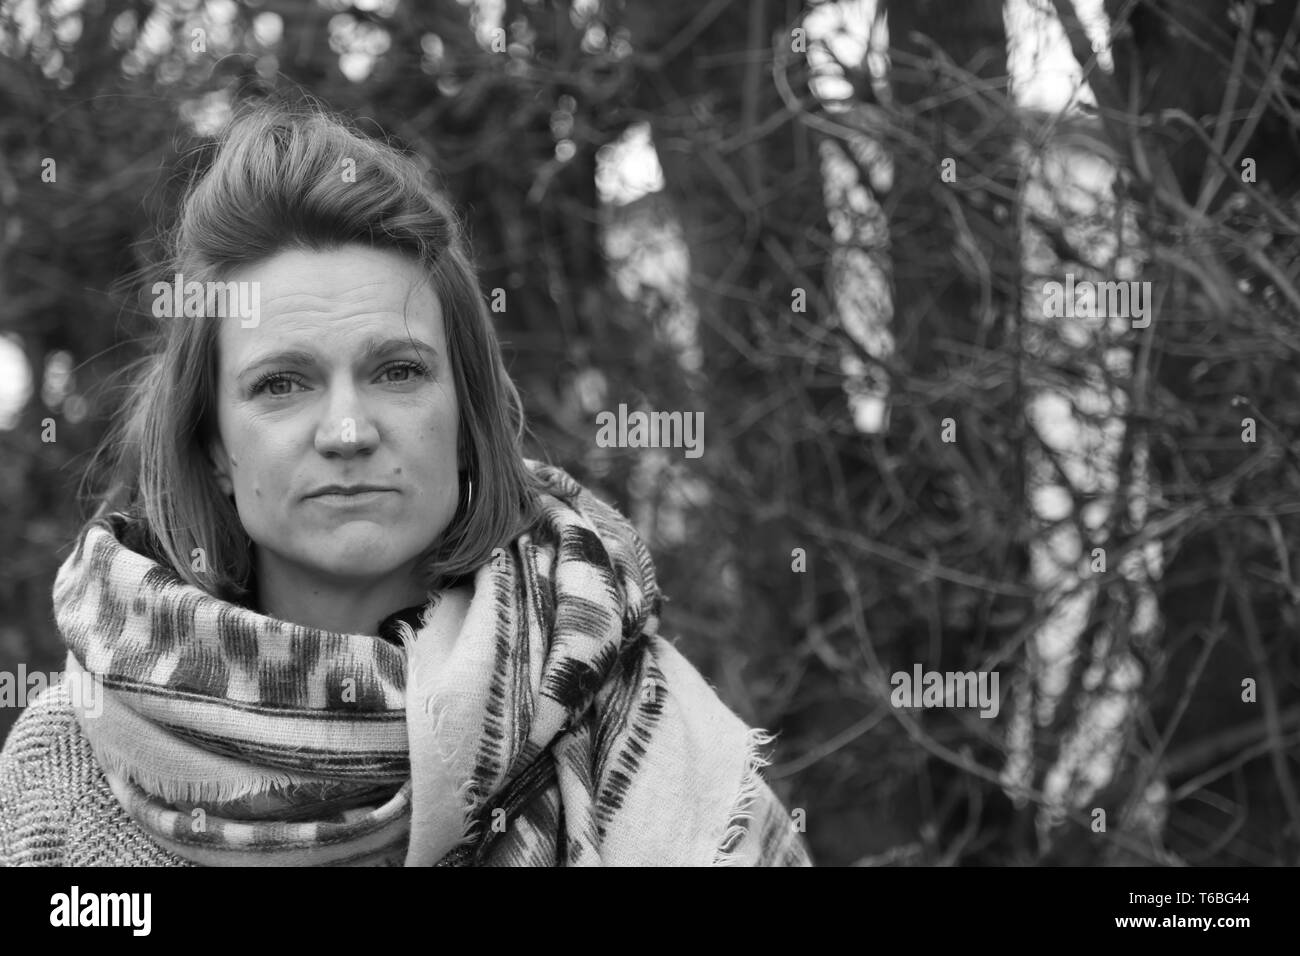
<point>348,275</point>
<point>353,301</point>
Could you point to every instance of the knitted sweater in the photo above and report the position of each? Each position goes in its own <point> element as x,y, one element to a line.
<point>56,808</point>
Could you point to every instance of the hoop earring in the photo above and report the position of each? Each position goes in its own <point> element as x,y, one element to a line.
<point>469,499</point>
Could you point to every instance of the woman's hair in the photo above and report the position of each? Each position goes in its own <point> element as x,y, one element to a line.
<point>297,177</point>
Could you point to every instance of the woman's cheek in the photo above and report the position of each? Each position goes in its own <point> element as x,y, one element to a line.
<point>268,462</point>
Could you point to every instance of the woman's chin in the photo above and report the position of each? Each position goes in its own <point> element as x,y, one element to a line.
<point>363,553</point>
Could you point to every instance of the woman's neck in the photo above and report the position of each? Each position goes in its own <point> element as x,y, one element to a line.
<point>345,607</point>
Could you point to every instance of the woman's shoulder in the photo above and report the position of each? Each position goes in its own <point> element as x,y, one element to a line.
<point>56,807</point>
<point>46,731</point>
<point>39,767</point>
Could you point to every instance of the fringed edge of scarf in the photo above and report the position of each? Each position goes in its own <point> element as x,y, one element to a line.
<point>224,780</point>
<point>751,788</point>
<point>168,791</point>
<point>435,830</point>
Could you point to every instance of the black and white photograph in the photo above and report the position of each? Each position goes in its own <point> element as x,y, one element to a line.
<point>652,433</point>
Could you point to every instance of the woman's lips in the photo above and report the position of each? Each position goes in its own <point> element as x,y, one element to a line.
<point>351,499</point>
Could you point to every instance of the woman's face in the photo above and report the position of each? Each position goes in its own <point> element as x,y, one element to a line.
<point>328,390</point>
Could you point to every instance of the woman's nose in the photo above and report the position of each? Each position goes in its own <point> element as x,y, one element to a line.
<point>345,429</point>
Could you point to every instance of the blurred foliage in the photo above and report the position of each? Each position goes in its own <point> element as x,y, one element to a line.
<point>917,549</point>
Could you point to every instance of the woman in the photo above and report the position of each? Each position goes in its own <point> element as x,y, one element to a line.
<point>333,613</point>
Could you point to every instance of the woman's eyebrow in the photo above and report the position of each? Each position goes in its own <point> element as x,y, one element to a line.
<point>377,348</point>
<point>372,349</point>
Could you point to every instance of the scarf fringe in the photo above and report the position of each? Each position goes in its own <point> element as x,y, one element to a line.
<point>434,829</point>
<point>209,793</point>
<point>462,795</point>
<point>751,786</point>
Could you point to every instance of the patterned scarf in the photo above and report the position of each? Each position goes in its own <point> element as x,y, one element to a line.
<point>534,719</point>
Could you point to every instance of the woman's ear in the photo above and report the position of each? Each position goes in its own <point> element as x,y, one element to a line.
<point>221,466</point>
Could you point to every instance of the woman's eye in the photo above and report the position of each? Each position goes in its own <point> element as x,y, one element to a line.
<point>268,383</point>
<point>411,369</point>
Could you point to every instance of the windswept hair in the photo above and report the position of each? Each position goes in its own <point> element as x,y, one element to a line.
<point>280,177</point>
